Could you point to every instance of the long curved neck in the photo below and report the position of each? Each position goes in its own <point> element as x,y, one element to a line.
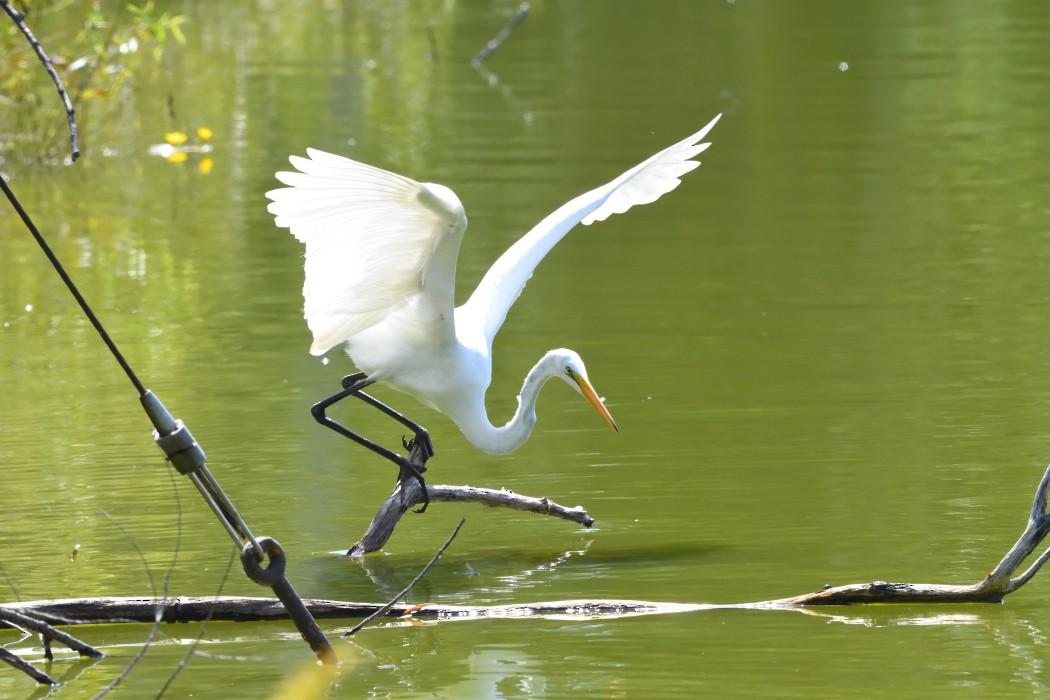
<point>510,437</point>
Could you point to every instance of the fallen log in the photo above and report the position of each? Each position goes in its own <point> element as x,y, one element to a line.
<point>999,583</point>
<point>85,611</point>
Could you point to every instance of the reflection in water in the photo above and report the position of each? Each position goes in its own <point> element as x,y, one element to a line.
<point>390,577</point>
<point>494,673</point>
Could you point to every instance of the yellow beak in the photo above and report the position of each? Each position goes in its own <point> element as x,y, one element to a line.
<point>592,398</point>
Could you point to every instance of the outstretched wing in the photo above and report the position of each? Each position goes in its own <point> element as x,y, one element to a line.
<point>374,240</point>
<point>644,183</point>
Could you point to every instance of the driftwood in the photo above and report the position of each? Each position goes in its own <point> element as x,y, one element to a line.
<point>410,494</point>
<point>19,19</point>
<point>83,611</point>
<point>999,582</point>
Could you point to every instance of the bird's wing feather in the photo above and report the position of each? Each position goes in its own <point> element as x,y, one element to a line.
<point>373,239</point>
<point>644,183</point>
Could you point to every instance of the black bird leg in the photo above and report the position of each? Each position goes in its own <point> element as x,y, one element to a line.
<point>352,386</point>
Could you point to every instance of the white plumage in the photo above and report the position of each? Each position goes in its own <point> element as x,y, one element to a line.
<point>381,255</point>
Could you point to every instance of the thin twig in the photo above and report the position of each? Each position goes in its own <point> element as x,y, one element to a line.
<point>491,47</point>
<point>159,613</point>
<point>200,635</point>
<point>433,42</point>
<point>135,546</point>
<point>19,20</point>
<point>409,494</point>
<point>411,585</point>
<point>10,583</point>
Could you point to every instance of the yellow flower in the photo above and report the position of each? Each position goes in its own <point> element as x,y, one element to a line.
<point>204,133</point>
<point>175,138</point>
<point>205,166</point>
<point>178,157</point>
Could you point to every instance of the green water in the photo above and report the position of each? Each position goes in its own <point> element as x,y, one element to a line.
<point>826,351</point>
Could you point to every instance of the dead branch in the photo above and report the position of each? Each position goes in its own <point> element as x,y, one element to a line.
<point>404,497</point>
<point>26,668</point>
<point>999,582</point>
<point>45,630</point>
<point>22,621</point>
<point>81,611</point>
<point>19,19</point>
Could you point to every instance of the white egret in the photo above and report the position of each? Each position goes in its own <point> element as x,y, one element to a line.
<point>381,255</point>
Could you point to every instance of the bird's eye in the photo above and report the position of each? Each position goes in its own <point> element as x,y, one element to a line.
<point>568,370</point>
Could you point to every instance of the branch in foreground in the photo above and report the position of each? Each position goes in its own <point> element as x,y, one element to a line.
<point>410,494</point>
<point>27,668</point>
<point>47,633</point>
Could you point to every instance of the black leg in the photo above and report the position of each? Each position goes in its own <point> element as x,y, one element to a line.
<point>352,386</point>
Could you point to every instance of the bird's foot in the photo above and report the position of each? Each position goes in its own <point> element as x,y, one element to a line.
<point>413,471</point>
<point>420,442</point>
<point>351,379</point>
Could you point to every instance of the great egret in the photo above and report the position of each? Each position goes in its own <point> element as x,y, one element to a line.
<point>381,255</point>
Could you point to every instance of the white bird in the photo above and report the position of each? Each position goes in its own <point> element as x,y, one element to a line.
<point>381,255</point>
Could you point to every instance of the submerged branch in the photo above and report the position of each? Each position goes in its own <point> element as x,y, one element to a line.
<point>24,622</point>
<point>993,588</point>
<point>26,668</point>
<point>81,611</point>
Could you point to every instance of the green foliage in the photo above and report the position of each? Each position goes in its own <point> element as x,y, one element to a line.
<point>97,49</point>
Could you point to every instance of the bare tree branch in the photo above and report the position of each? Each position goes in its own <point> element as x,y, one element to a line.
<point>19,20</point>
<point>406,496</point>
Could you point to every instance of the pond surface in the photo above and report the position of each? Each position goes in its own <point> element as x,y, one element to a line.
<point>827,350</point>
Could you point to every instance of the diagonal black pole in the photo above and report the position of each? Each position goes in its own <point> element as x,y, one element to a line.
<point>182,450</point>
<point>71,286</point>
<point>170,434</point>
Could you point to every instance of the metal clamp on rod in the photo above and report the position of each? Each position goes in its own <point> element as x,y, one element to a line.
<point>177,443</point>
<point>186,455</point>
<point>273,576</point>
<point>182,450</point>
